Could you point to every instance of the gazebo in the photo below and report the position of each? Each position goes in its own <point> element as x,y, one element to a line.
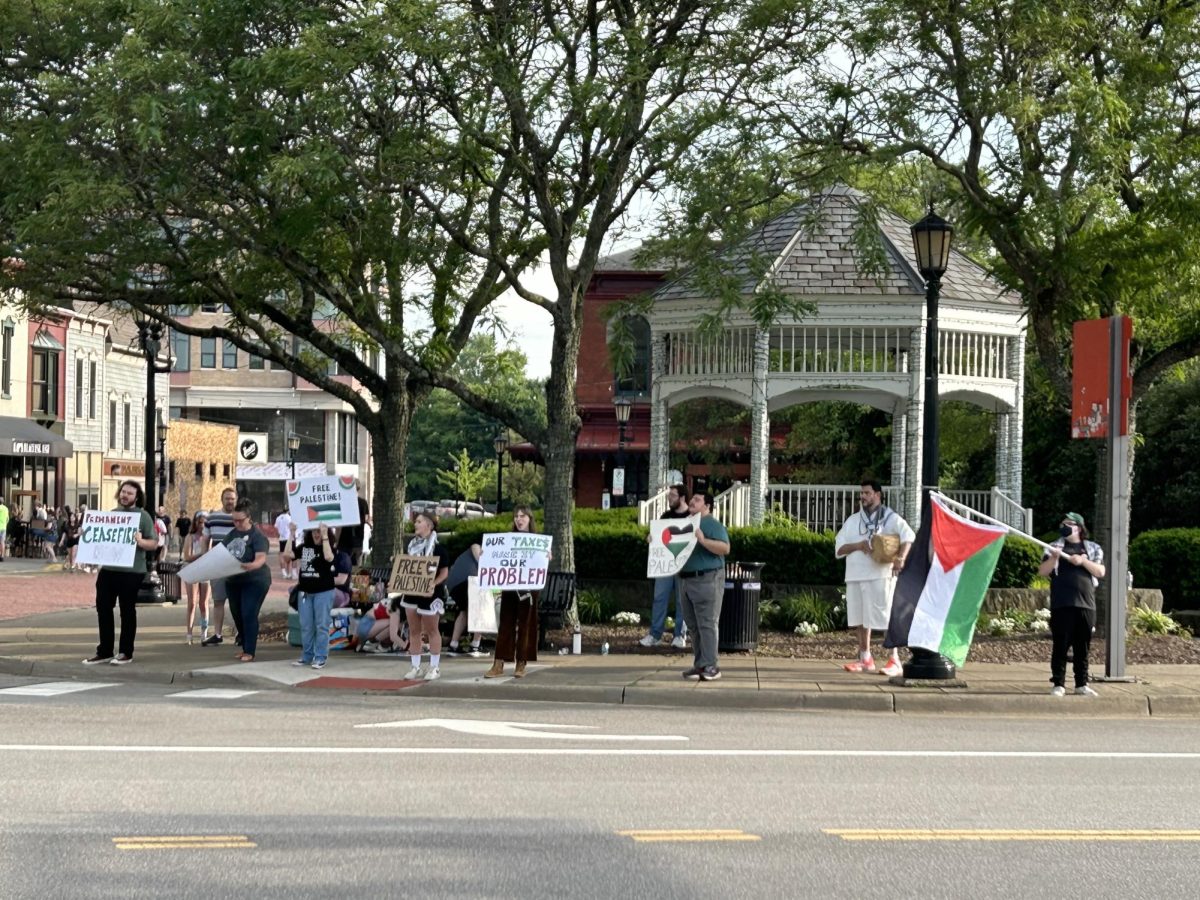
<point>863,343</point>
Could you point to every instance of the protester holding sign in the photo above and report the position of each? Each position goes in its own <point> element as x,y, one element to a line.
<point>316,571</point>
<point>517,633</point>
<point>701,586</point>
<point>424,613</point>
<point>119,584</point>
<point>247,591</point>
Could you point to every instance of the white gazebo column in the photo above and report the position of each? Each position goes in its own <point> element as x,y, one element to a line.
<point>660,416</point>
<point>915,442</point>
<point>1016,422</point>
<point>1003,428</point>
<point>760,428</point>
<point>899,453</point>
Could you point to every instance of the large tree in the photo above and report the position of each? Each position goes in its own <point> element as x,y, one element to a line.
<point>594,105</point>
<point>265,157</point>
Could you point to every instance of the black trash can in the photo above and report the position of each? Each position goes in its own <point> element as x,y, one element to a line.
<point>737,629</point>
<point>168,577</point>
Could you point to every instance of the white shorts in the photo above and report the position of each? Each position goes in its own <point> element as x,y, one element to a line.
<point>869,603</point>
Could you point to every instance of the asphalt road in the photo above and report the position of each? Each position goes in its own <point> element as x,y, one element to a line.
<point>136,790</point>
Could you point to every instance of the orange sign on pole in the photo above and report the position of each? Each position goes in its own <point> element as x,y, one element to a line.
<point>1090,394</point>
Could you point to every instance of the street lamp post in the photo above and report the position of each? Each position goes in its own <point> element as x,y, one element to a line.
<point>162,461</point>
<point>500,444</point>
<point>150,342</point>
<point>293,445</point>
<point>931,243</point>
<point>623,406</point>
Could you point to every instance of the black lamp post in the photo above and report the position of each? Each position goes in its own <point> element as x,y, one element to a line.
<point>500,444</point>
<point>293,445</point>
<point>623,406</point>
<point>931,243</point>
<point>150,335</point>
<point>162,461</point>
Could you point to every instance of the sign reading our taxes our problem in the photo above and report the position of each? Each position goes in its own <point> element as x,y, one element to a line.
<point>329,499</point>
<point>413,575</point>
<point>515,561</point>
<point>108,538</point>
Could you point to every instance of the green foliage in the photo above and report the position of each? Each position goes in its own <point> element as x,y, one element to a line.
<point>466,479</point>
<point>785,614</point>
<point>1148,621</point>
<point>591,607</point>
<point>791,557</point>
<point>1170,561</point>
<point>1166,486</point>
<point>1018,564</point>
<point>625,515</point>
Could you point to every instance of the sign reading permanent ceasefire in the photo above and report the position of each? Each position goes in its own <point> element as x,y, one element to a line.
<point>108,538</point>
<point>413,575</point>
<point>30,448</point>
<point>516,561</point>
<point>330,499</point>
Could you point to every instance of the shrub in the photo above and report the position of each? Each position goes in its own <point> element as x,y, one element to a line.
<point>791,556</point>
<point>1147,621</point>
<point>1018,564</point>
<point>807,607</point>
<point>1170,561</point>
<point>591,608</point>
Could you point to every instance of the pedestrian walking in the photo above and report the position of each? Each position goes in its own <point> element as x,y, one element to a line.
<point>283,530</point>
<point>120,584</point>
<point>874,542</point>
<point>1075,566</point>
<point>247,590</point>
<point>517,628</point>
<point>702,587</point>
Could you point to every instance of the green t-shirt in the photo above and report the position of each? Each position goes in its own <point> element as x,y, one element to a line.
<point>3,518</point>
<point>146,527</point>
<point>702,559</point>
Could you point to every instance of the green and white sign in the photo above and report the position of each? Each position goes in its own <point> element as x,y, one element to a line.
<point>330,499</point>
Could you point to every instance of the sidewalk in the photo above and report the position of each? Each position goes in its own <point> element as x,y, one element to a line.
<point>52,645</point>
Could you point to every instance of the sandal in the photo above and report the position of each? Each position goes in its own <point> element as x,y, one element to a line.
<point>245,657</point>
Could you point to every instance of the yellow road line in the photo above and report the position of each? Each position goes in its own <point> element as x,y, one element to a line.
<point>184,842</point>
<point>1032,834</point>
<point>657,836</point>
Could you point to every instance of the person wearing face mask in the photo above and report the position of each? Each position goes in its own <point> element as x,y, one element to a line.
<point>1075,566</point>
<point>517,628</point>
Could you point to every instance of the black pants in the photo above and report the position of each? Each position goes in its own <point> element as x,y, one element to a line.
<point>1071,629</point>
<point>113,588</point>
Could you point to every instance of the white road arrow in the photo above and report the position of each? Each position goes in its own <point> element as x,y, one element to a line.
<point>521,730</point>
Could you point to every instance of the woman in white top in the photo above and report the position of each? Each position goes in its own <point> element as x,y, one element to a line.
<point>193,548</point>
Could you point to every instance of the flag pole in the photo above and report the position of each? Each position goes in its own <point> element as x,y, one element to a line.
<point>1017,531</point>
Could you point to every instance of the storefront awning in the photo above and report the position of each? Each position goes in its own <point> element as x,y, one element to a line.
<point>21,437</point>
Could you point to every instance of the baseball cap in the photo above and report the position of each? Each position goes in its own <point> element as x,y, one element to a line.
<point>1074,517</point>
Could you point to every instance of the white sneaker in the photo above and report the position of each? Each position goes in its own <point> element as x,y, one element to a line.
<point>679,643</point>
<point>1085,691</point>
<point>415,673</point>
<point>433,674</point>
<point>1058,691</point>
<point>648,641</point>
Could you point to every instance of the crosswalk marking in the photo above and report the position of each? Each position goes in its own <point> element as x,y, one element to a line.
<point>213,694</point>
<point>55,688</point>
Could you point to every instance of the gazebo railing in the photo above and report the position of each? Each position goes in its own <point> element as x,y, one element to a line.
<point>653,507</point>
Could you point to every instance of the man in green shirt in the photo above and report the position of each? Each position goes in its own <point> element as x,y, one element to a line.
<point>702,588</point>
<point>120,584</point>
<point>3,530</point>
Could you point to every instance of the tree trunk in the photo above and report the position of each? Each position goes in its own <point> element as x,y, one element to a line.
<point>562,428</point>
<point>390,429</point>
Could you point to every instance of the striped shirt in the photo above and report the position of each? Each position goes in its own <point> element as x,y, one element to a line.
<point>219,524</point>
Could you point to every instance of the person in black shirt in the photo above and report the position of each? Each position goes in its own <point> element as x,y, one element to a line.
<point>317,572</point>
<point>1075,566</point>
<point>184,526</point>
<point>424,613</point>
<point>350,537</point>
<point>247,590</point>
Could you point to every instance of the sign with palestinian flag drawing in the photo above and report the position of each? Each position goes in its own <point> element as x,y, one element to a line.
<point>330,499</point>
<point>940,591</point>
<point>671,544</point>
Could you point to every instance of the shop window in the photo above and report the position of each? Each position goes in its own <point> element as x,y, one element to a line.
<point>208,353</point>
<point>45,382</point>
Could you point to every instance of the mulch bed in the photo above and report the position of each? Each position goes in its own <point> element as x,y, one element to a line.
<point>1017,648</point>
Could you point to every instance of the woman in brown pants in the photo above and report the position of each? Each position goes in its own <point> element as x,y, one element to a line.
<point>517,630</point>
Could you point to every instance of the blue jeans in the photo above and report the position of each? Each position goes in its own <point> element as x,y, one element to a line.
<point>663,588</point>
<point>314,625</point>
<point>245,601</point>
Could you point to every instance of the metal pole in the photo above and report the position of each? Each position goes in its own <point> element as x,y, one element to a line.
<point>1117,446</point>
<point>150,349</point>
<point>499,482</point>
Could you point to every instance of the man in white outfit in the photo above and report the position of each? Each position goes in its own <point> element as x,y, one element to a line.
<point>871,581</point>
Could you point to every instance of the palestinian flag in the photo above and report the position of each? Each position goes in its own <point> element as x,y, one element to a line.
<point>940,591</point>
<point>324,512</point>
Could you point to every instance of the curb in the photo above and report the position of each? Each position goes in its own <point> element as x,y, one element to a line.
<point>1025,705</point>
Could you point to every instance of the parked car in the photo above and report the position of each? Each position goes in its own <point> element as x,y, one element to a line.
<point>419,506</point>
<point>460,509</point>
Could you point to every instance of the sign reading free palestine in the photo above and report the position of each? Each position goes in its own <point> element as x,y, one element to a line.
<point>330,499</point>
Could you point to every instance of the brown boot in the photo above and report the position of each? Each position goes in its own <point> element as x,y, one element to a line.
<point>520,671</point>
<point>496,670</point>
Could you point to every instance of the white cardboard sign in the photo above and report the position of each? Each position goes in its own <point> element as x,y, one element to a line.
<point>330,499</point>
<point>671,544</point>
<point>108,538</point>
<point>217,563</point>
<point>515,561</point>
